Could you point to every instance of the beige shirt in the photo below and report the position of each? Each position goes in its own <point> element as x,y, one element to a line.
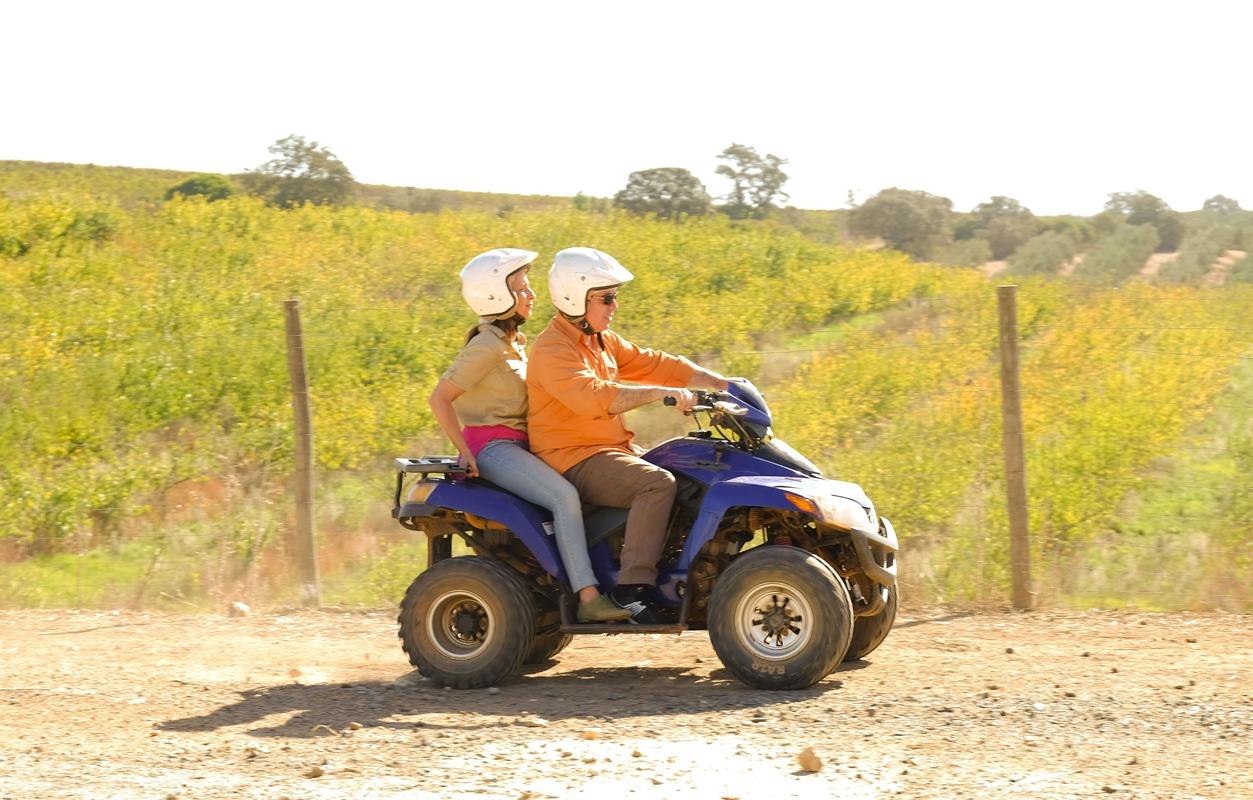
<point>492,371</point>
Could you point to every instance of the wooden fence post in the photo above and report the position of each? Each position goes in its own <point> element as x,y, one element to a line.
<point>305,544</point>
<point>1012,446</point>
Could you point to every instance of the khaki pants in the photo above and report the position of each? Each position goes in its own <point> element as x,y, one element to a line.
<point>620,480</point>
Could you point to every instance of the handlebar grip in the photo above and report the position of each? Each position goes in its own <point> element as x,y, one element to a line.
<point>669,401</point>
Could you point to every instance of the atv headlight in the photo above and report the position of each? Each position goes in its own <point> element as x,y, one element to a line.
<point>838,511</point>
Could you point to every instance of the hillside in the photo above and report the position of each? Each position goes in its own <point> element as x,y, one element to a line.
<point>132,186</point>
<point>149,420</point>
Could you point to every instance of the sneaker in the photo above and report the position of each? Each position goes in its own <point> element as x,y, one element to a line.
<point>602,609</point>
<point>631,599</point>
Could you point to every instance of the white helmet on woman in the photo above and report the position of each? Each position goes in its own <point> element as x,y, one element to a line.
<point>485,280</point>
<point>577,271</point>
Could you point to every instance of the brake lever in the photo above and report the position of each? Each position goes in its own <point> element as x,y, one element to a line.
<point>733,409</point>
<point>670,401</point>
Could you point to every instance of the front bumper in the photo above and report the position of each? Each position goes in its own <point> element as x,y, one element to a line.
<point>876,552</point>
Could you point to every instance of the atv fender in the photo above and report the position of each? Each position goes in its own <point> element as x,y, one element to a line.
<point>771,492</point>
<point>525,520</point>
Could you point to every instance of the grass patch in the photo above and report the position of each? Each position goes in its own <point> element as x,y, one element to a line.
<point>1181,540</point>
<point>379,581</point>
<point>95,579</point>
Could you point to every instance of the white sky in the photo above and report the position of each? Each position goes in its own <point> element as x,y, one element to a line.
<point>1054,103</point>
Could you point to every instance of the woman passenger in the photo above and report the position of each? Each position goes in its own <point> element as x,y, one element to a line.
<point>480,403</point>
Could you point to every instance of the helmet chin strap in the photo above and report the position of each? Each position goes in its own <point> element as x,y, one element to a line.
<point>509,316</point>
<point>580,323</point>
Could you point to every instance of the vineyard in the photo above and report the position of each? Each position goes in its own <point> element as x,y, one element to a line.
<point>146,440</point>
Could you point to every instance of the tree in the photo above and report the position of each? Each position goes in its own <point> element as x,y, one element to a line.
<point>912,222</point>
<point>1170,230</point>
<point>1004,235</point>
<point>1081,229</point>
<point>755,181</point>
<point>1221,204</point>
<point>301,172</point>
<point>1138,207</point>
<point>1045,253</point>
<point>1003,222</point>
<point>1142,208</point>
<point>668,192</point>
<point>211,187</point>
<point>1000,206</point>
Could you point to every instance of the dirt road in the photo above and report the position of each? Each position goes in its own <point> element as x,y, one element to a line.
<point>312,705</point>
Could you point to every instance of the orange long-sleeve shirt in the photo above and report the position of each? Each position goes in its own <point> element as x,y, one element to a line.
<point>572,379</point>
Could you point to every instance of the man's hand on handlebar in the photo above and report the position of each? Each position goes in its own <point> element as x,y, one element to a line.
<point>682,399</point>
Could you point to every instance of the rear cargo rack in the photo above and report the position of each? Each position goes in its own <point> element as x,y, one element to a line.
<point>445,466</point>
<point>429,464</point>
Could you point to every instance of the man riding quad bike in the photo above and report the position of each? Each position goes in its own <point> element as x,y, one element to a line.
<point>789,572</point>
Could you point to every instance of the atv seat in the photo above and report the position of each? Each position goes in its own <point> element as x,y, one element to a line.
<point>599,522</point>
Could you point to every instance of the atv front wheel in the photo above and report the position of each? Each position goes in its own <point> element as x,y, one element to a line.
<point>467,622</point>
<point>869,632</point>
<point>780,618</point>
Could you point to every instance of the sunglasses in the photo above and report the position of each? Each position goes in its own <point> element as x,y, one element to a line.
<point>608,299</point>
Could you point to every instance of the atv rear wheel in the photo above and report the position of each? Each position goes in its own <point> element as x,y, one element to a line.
<point>467,622</point>
<point>549,640</point>
<point>780,618</point>
<point>869,632</point>
<point>546,646</point>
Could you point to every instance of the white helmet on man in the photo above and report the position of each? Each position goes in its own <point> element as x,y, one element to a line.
<point>577,271</point>
<point>485,280</point>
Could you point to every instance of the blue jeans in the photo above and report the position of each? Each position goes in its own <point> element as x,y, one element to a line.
<point>511,466</point>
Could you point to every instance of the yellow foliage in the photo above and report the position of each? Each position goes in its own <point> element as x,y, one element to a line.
<point>158,330</point>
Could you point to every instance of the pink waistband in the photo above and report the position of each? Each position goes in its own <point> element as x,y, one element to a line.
<point>477,436</point>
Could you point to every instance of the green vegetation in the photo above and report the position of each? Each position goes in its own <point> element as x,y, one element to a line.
<point>1111,381</point>
<point>155,355</point>
<point>917,223</point>
<point>1119,256</point>
<point>384,576</point>
<point>1211,234</point>
<point>130,187</point>
<point>1002,223</point>
<point>965,253</point>
<point>301,173</point>
<point>666,192</point>
<point>147,431</point>
<point>756,181</point>
<point>121,186</point>
<point>1242,270</point>
<point>1194,506</point>
<point>211,187</point>
<point>1044,254</point>
<point>1142,208</point>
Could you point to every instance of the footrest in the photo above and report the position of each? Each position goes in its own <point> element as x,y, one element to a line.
<point>621,627</point>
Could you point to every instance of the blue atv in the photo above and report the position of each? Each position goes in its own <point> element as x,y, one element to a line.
<point>791,573</point>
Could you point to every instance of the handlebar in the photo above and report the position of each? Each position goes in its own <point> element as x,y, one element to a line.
<point>704,400</point>
<point>710,401</point>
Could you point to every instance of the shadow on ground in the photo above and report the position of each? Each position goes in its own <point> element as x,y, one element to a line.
<point>412,702</point>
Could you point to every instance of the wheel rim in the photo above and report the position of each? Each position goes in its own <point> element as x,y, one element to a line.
<point>774,621</point>
<point>460,624</point>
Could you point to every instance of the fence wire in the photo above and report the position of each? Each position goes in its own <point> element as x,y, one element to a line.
<point>1124,511</point>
